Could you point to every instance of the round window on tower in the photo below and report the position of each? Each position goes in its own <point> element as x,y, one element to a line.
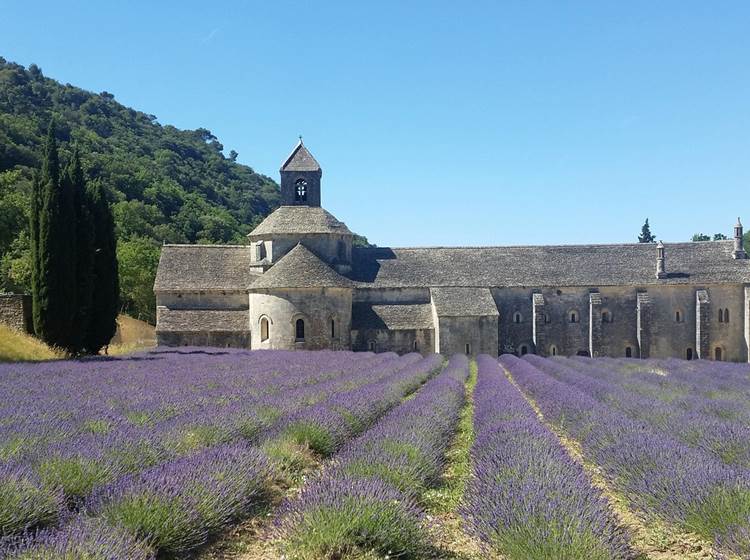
<point>300,190</point>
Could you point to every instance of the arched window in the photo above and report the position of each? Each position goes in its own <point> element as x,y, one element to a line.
<point>264,329</point>
<point>573,317</point>
<point>678,317</point>
<point>300,190</point>
<point>517,318</point>
<point>717,354</point>
<point>332,323</point>
<point>415,346</point>
<point>468,348</point>
<point>726,315</point>
<point>299,330</point>
<point>721,315</point>
<point>553,350</point>
<point>606,317</point>
<point>371,346</point>
<point>628,352</point>
<point>524,350</point>
<point>689,354</point>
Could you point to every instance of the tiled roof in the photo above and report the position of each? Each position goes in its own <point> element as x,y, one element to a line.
<point>463,302</point>
<point>300,268</point>
<point>563,265</point>
<point>392,317</point>
<point>203,267</point>
<point>300,160</point>
<point>299,220</point>
<point>197,320</point>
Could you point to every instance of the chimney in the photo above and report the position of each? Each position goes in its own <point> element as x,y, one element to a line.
<point>739,247</point>
<point>661,271</point>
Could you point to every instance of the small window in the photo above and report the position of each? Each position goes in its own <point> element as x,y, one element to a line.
<point>300,190</point>
<point>524,350</point>
<point>717,354</point>
<point>299,330</point>
<point>553,350</point>
<point>606,317</point>
<point>689,354</point>
<point>517,318</point>
<point>371,346</point>
<point>678,317</point>
<point>468,348</point>
<point>264,329</point>
<point>628,352</point>
<point>726,315</point>
<point>573,317</point>
<point>547,318</point>
<point>721,315</point>
<point>415,346</point>
<point>341,251</point>
<point>333,327</point>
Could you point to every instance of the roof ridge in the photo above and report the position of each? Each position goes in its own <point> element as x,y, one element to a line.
<point>217,245</point>
<point>542,246</point>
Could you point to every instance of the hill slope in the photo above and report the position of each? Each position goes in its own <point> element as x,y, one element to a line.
<point>165,184</point>
<point>16,346</point>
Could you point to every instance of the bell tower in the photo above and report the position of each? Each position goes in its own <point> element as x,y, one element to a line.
<point>300,178</point>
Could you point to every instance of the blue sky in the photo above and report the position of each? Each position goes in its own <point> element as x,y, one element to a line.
<point>442,123</point>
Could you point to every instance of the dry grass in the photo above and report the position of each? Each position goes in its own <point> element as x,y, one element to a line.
<point>16,346</point>
<point>651,538</point>
<point>132,335</point>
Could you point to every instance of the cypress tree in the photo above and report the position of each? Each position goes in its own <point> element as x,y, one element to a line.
<point>34,234</point>
<point>84,253</point>
<point>55,276</point>
<point>106,293</point>
<point>646,236</point>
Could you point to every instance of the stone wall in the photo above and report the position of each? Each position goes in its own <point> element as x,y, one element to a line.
<point>467,335</point>
<point>399,341</point>
<point>15,311</point>
<point>205,338</point>
<point>315,306</point>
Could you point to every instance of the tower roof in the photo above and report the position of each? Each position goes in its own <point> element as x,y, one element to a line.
<point>300,268</point>
<point>299,220</point>
<point>300,160</point>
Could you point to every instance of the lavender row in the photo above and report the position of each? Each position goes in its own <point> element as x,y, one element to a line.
<point>74,466</point>
<point>658,474</point>
<point>688,421</point>
<point>527,497</point>
<point>176,506</point>
<point>367,501</point>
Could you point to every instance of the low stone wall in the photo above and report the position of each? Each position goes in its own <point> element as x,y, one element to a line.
<point>204,338</point>
<point>15,311</point>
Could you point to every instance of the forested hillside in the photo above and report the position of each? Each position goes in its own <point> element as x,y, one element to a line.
<point>165,184</point>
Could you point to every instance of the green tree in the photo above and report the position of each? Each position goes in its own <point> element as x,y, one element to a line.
<point>701,237</point>
<point>105,298</point>
<point>55,282</point>
<point>646,236</point>
<point>719,237</point>
<point>138,260</point>
<point>84,251</point>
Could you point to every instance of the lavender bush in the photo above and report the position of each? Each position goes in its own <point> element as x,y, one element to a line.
<point>658,474</point>
<point>366,502</point>
<point>80,539</point>
<point>528,498</point>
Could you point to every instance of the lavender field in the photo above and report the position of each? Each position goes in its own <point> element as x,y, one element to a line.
<point>342,455</point>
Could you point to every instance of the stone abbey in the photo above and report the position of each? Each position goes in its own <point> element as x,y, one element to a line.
<point>299,284</point>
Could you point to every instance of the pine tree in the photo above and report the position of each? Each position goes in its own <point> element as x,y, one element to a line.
<point>84,252</point>
<point>646,236</point>
<point>106,293</point>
